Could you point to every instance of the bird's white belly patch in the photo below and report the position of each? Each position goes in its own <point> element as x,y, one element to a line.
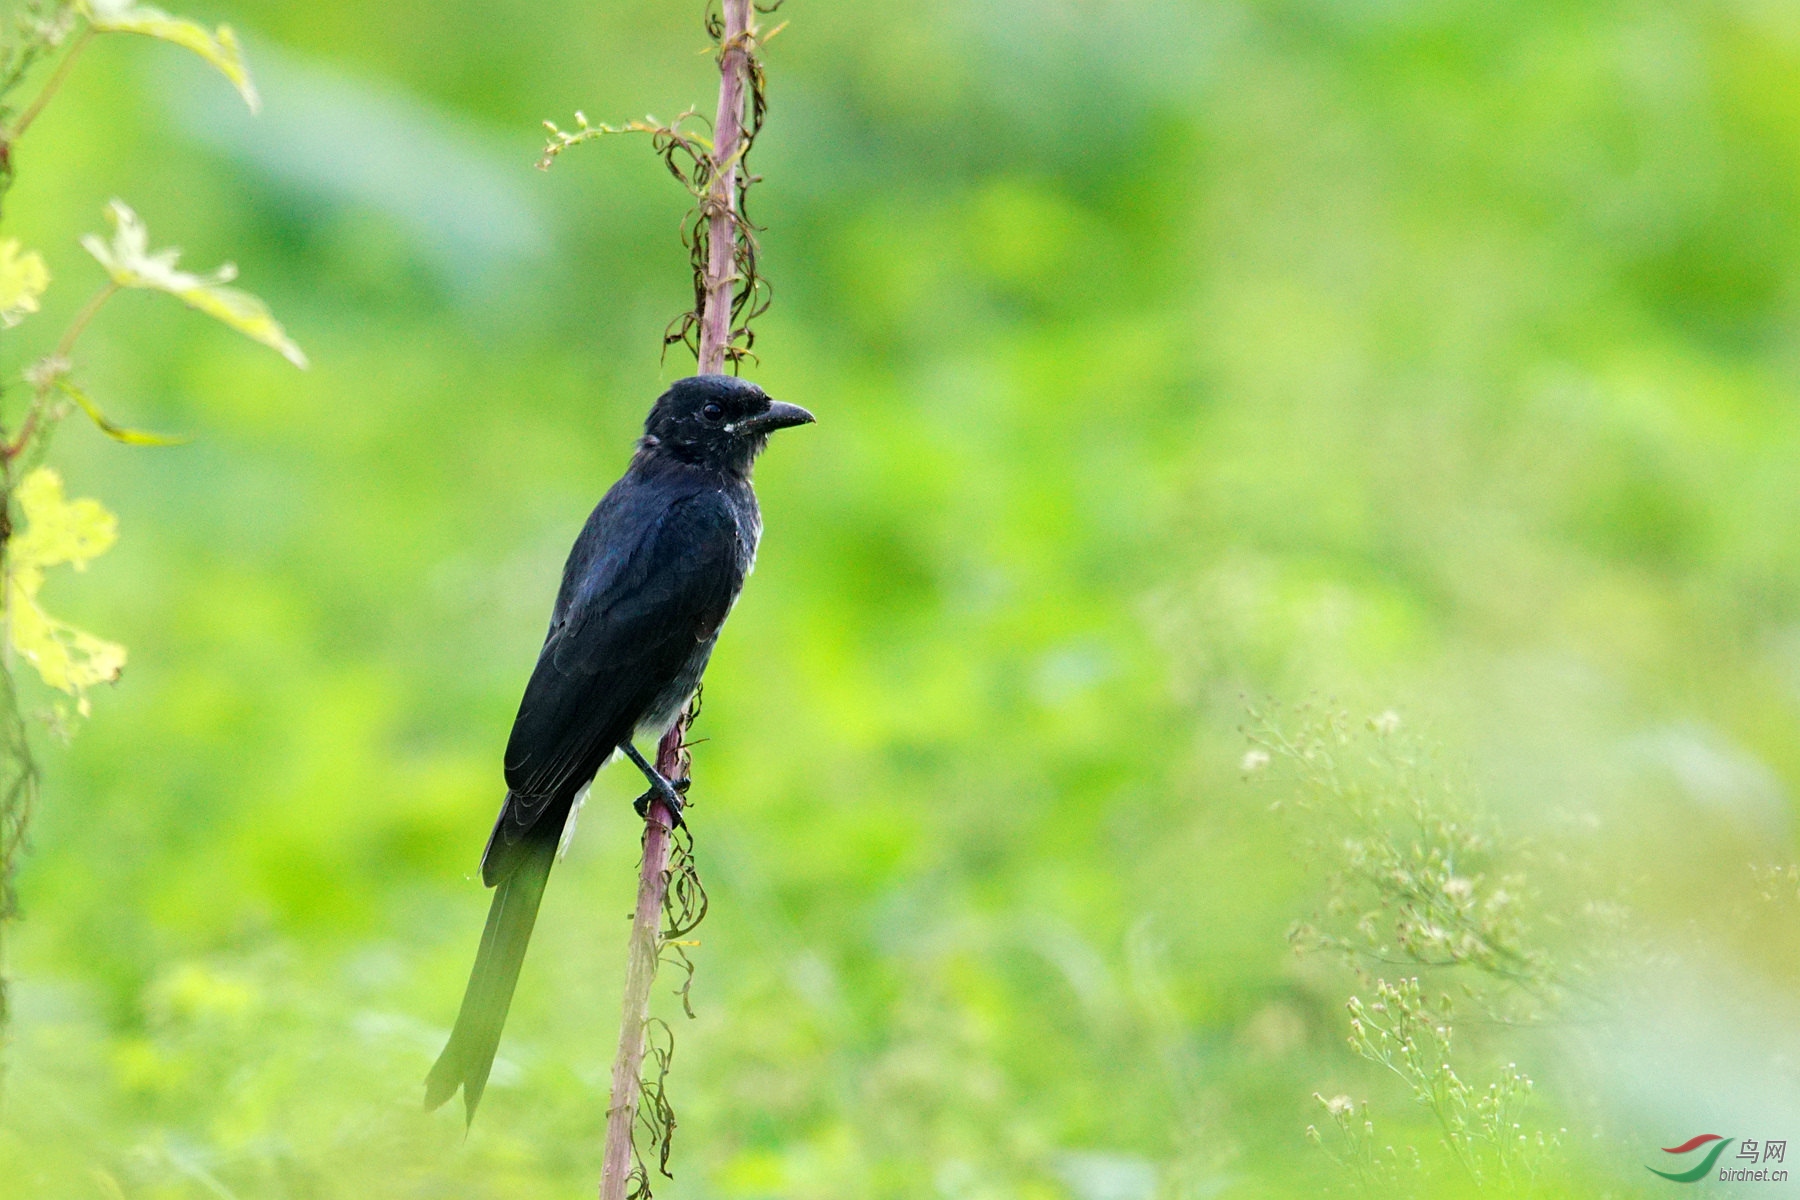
<point>568,832</point>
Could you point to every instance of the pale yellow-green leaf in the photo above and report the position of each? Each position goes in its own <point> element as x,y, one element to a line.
<point>23,278</point>
<point>55,531</point>
<point>220,47</point>
<point>119,433</point>
<point>131,263</point>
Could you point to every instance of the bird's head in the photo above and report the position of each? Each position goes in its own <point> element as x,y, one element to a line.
<point>716,421</point>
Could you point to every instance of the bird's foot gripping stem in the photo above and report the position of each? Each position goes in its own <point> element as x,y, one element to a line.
<point>670,792</point>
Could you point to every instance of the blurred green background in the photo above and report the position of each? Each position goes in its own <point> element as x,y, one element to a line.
<point>1420,354</point>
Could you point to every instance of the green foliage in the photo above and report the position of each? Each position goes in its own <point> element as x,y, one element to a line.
<point>1425,355</point>
<point>23,278</point>
<point>1483,1127</point>
<point>1416,876</point>
<point>1377,1170</point>
<point>117,432</point>
<point>219,47</point>
<point>68,659</point>
<point>56,531</point>
<point>131,264</point>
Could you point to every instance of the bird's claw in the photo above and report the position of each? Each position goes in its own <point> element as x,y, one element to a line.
<point>670,793</point>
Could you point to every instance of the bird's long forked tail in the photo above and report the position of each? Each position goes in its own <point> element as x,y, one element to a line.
<point>469,1056</point>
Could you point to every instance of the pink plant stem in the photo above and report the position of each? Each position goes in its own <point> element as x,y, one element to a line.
<point>671,759</point>
<point>640,972</point>
<point>722,202</point>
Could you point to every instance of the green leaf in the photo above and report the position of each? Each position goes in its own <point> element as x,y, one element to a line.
<point>23,278</point>
<point>220,48</point>
<point>131,437</point>
<point>128,259</point>
<point>57,531</point>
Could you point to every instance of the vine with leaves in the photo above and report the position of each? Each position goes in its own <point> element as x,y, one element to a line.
<point>40,528</point>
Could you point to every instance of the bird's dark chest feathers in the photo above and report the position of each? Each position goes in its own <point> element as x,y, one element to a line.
<point>717,532</point>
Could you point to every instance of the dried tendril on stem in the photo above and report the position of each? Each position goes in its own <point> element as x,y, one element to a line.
<point>689,156</point>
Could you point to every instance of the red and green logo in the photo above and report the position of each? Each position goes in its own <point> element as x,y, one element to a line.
<point>1719,1142</point>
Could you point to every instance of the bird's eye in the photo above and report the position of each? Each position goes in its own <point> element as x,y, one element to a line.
<point>712,412</point>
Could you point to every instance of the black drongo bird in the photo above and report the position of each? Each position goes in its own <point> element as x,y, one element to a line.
<point>646,588</point>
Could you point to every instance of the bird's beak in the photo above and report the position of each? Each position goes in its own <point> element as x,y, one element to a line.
<point>779,416</point>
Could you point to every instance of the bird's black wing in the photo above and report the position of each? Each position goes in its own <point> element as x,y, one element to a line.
<point>649,580</point>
